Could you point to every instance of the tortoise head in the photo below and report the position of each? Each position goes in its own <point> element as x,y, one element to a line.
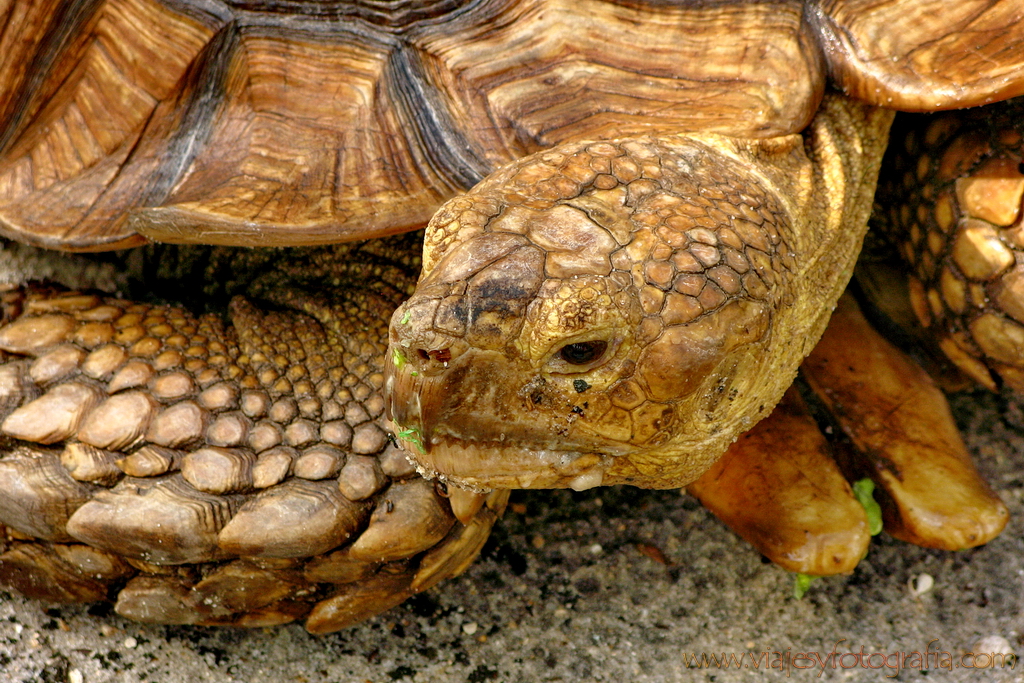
<point>595,314</point>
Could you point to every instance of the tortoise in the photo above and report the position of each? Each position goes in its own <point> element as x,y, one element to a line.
<point>655,187</point>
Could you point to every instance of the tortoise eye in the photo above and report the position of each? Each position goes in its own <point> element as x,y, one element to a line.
<point>582,353</point>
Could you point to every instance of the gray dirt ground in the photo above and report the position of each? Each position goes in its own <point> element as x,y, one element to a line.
<point>608,585</point>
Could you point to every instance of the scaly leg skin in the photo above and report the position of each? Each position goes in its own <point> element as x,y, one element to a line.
<point>209,470</point>
<point>952,204</point>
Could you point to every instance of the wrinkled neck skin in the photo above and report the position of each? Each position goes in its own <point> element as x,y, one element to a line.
<point>620,312</point>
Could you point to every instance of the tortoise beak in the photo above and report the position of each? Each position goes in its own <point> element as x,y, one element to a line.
<point>412,400</point>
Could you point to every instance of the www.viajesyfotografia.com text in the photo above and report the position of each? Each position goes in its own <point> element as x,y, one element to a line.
<point>786,661</point>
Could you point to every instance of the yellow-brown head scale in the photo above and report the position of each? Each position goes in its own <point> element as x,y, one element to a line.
<point>577,310</point>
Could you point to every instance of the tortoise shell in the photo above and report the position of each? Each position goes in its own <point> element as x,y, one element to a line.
<point>285,123</point>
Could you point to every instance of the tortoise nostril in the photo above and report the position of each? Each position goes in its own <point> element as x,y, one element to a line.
<point>438,355</point>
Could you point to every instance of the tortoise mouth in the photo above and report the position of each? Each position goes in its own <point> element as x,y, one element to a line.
<point>462,424</point>
<point>477,465</point>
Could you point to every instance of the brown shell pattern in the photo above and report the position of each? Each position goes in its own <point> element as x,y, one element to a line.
<point>303,123</point>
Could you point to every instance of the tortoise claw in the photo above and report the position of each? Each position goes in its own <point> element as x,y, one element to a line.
<point>779,489</point>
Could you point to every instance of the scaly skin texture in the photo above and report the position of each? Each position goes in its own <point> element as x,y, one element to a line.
<point>953,210</point>
<point>222,470</point>
<point>619,312</point>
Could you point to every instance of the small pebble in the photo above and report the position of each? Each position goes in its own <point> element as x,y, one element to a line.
<point>595,549</point>
<point>130,643</point>
<point>75,676</point>
<point>469,628</point>
<point>921,584</point>
<point>993,645</point>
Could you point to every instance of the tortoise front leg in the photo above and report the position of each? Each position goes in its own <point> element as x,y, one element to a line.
<point>904,437</point>
<point>779,487</point>
<point>951,206</point>
<point>220,469</point>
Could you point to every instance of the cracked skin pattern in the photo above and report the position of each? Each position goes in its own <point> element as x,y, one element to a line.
<point>690,277</point>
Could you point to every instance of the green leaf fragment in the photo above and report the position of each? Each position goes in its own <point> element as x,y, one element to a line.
<point>801,583</point>
<point>862,490</point>
<point>406,318</point>
<point>412,435</point>
<point>398,358</point>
